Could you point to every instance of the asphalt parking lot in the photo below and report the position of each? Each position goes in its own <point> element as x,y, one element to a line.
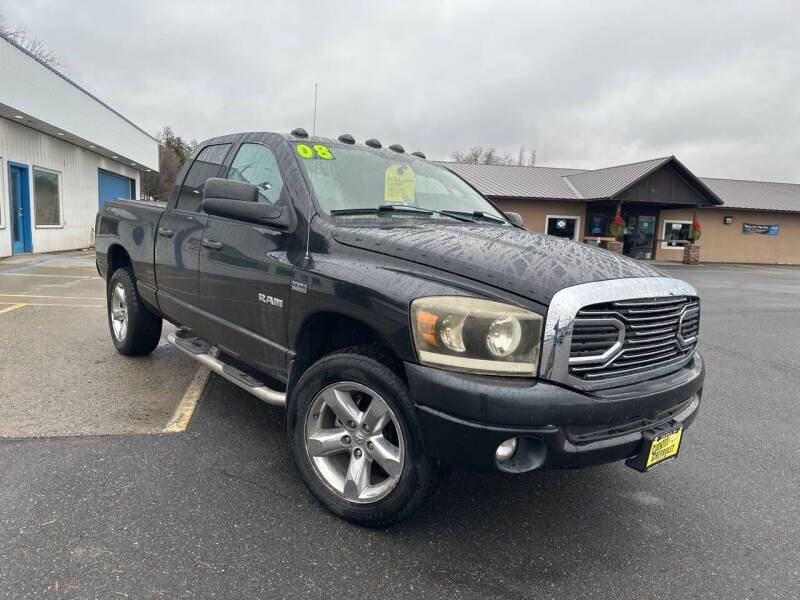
<point>58,377</point>
<point>218,511</point>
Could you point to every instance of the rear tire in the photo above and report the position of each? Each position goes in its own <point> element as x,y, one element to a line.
<point>135,330</point>
<point>355,438</point>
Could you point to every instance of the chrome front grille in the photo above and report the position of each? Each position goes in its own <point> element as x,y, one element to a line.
<point>632,337</point>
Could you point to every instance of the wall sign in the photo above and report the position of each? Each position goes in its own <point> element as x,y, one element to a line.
<point>760,229</point>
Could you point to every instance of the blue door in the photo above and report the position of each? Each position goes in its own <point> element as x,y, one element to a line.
<point>20,208</point>
<point>111,185</point>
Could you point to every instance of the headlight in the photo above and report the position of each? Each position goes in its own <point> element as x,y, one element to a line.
<point>475,335</point>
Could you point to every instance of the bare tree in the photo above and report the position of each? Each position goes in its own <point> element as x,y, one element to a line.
<point>35,46</point>
<point>173,151</point>
<point>526,160</point>
<point>478,155</point>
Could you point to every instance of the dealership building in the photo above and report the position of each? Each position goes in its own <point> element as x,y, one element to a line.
<point>742,221</point>
<point>63,152</point>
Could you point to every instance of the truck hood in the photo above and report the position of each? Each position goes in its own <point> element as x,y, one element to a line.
<point>525,263</point>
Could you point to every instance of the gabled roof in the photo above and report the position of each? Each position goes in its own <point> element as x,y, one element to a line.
<point>519,182</point>
<point>569,184</point>
<point>608,182</point>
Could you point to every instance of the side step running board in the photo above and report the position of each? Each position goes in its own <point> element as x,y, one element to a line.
<point>206,355</point>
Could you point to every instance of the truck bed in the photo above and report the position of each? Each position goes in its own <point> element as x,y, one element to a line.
<point>132,225</point>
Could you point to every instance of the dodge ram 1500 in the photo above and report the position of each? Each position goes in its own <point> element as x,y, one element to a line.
<point>402,319</point>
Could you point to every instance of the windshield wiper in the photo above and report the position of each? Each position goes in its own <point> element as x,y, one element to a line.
<point>479,214</point>
<point>398,208</point>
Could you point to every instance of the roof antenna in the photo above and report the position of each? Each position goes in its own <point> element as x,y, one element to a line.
<point>314,126</point>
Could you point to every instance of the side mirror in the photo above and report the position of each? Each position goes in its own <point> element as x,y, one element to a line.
<point>266,215</point>
<point>515,218</point>
<point>228,189</point>
<point>239,201</point>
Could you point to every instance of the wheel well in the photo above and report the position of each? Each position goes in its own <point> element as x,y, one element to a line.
<point>117,258</point>
<point>325,333</point>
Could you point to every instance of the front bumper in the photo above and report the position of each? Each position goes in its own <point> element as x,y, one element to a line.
<point>465,417</point>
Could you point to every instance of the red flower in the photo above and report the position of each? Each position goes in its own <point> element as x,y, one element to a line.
<point>617,220</point>
<point>696,226</point>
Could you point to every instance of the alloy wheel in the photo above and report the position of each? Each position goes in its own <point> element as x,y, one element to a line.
<point>354,442</point>
<point>119,312</point>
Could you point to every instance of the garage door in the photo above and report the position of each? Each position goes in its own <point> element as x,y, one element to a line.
<point>113,186</point>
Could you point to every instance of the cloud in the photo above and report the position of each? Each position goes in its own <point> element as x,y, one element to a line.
<point>588,84</point>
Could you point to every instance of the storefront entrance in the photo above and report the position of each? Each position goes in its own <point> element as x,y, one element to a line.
<point>641,221</point>
<point>640,235</point>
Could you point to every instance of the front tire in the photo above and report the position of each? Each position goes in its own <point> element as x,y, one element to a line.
<point>135,330</point>
<point>356,440</point>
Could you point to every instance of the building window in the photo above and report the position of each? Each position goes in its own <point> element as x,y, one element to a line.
<point>46,198</point>
<point>563,226</point>
<point>675,232</point>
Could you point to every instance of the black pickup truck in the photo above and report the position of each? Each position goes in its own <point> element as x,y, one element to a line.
<point>403,320</point>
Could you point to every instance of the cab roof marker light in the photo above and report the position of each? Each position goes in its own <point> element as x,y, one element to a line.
<point>397,148</point>
<point>346,138</point>
<point>299,132</point>
<point>419,154</point>
<point>373,143</point>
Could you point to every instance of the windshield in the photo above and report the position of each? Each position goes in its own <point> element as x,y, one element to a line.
<point>347,177</point>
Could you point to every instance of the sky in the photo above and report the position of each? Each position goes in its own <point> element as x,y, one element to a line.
<point>587,84</point>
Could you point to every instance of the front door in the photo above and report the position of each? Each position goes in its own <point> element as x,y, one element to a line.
<point>640,235</point>
<point>20,208</point>
<point>245,274</point>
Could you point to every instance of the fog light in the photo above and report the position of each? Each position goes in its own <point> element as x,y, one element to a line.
<point>506,450</point>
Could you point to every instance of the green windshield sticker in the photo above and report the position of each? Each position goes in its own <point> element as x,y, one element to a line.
<point>399,184</point>
<point>318,151</point>
<point>323,151</point>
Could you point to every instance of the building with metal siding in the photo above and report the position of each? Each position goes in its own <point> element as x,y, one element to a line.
<point>62,152</point>
<point>742,221</point>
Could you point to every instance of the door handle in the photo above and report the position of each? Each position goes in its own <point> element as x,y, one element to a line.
<point>163,231</point>
<point>212,244</point>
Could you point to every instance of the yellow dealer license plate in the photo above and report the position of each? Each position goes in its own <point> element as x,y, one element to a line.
<point>658,445</point>
<point>664,446</point>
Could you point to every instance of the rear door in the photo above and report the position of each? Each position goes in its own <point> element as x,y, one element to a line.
<point>178,239</point>
<point>245,274</point>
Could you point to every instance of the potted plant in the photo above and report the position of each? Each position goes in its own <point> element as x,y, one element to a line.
<point>617,228</point>
<point>691,251</point>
